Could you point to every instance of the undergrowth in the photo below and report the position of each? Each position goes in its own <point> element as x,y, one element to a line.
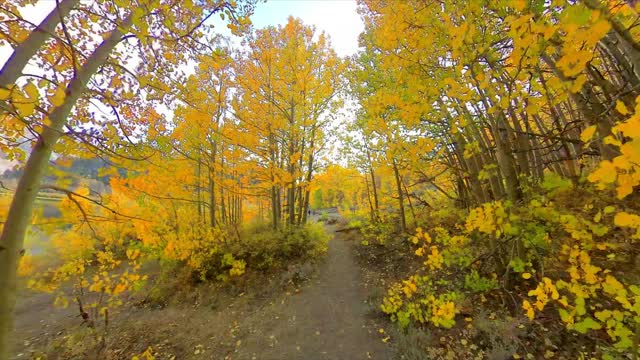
<point>554,276</point>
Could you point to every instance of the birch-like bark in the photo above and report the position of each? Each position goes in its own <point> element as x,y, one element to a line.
<point>12,69</point>
<point>20,211</point>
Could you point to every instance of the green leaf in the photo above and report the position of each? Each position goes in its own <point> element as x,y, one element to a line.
<point>517,265</point>
<point>624,343</point>
<point>580,306</point>
<point>587,324</point>
<point>537,6</point>
<point>555,182</point>
<point>577,14</point>
<point>403,319</point>
<point>565,316</point>
<point>603,315</point>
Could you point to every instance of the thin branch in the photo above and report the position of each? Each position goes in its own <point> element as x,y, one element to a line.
<point>92,200</point>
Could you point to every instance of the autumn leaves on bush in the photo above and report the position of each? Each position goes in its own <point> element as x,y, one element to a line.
<point>102,260</point>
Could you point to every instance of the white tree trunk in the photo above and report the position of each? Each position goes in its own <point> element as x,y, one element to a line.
<point>12,69</point>
<point>19,216</point>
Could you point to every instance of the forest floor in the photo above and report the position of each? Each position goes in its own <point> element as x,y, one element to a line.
<point>313,311</point>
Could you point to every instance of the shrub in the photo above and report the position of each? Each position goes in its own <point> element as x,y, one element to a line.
<point>558,252</point>
<point>377,233</point>
<point>263,248</point>
<point>355,224</point>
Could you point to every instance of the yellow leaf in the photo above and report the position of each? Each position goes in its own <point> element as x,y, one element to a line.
<point>533,109</point>
<point>25,108</point>
<point>577,84</point>
<point>621,108</point>
<point>519,5</point>
<point>631,127</point>
<point>133,253</point>
<point>57,99</point>
<point>526,275</point>
<point>610,140</point>
<point>625,219</point>
<point>4,94</point>
<point>587,133</point>
<point>623,190</point>
<point>600,28</point>
<point>605,174</point>
<point>32,91</point>
<point>26,105</point>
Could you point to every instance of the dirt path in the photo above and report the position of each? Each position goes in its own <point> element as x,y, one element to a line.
<point>326,319</point>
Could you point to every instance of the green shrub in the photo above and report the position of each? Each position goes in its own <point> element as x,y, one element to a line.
<point>263,248</point>
<point>256,246</point>
<point>355,224</point>
<point>377,233</point>
<point>479,284</point>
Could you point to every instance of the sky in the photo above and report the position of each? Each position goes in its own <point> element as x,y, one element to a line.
<point>337,18</point>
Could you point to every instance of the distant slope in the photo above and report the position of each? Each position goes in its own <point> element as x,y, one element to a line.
<point>81,171</point>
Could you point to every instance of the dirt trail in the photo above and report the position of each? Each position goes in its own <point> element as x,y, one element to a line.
<point>326,319</point>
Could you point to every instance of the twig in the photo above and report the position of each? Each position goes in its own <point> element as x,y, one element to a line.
<point>92,200</point>
<point>84,213</point>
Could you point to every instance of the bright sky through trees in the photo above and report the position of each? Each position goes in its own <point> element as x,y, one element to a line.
<point>338,18</point>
